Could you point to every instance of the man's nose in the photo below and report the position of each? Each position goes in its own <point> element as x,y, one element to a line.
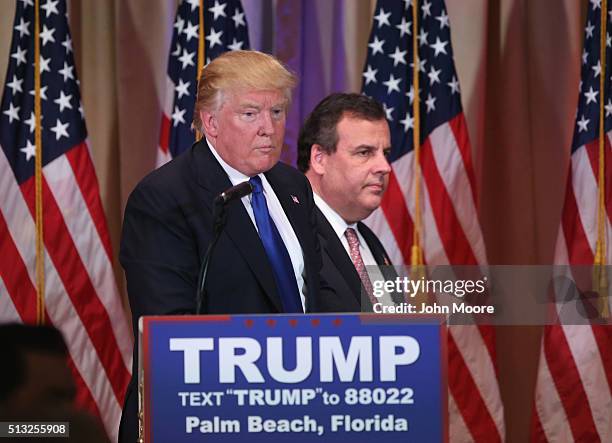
<point>382,164</point>
<point>266,124</point>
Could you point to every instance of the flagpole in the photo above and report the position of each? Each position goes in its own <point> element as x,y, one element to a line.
<point>201,50</point>
<point>40,252</point>
<point>599,271</point>
<point>417,250</point>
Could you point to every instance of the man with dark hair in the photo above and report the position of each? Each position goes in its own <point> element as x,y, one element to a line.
<point>342,149</point>
<point>36,384</point>
<point>35,377</point>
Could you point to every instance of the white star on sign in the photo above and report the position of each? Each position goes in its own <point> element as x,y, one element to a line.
<point>181,88</point>
<point>585,56</point>
<point>47,35</point>
<point>426,8</point>
<point>15,85</point>
<point>63,101</point>
<point>443,19</point>
<point>235,46</point>
<point>29,150</point>
<point>392,84</point>
<point>439,47</point>
<point>19,56</point>
<point>434,75</point>
<point>66,72</point>
<point>591,95</point>
<point>218,10</point>
<point>191,31</point>
<point>12,112</point>
<point>431,103</point>
<point>177,116</point>
<point>238,18</point>
<point>370,75</point>
<point>214,38</point>
<point>60,130</point>
<point>376,45</point>
<point>50,7</point>
<point>22,27</point>
<point>404,27</point>
<point>583,124</point>
<point>398,56</point>
<point>27,3</point>
<point>596,69</point>
<point>382,18</point>
<point>596,4</point>
<point>187,58</point>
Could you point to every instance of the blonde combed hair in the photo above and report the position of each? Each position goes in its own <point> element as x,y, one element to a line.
<point>239,70</point>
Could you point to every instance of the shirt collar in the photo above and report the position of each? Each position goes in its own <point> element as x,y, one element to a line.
<point>335,220</point>
<point>234,175</point>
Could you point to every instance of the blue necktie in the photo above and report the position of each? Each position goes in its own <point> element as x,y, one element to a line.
<point>276,250</point>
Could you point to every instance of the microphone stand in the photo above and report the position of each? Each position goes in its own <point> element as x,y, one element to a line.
<point>219,215</point>
<point>219,219</point>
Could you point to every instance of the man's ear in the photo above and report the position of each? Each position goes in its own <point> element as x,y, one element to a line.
<point>318,159</point>
<point>209,123</point>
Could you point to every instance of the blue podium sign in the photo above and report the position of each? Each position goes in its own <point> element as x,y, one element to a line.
<point>298,378</point>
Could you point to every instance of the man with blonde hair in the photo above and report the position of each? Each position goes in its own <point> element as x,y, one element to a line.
<point>267,259</point>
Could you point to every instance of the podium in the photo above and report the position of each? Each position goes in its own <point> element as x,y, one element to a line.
<point>292,378</point>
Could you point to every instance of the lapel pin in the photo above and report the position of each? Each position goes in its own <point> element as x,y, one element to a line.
<point>295,199</point>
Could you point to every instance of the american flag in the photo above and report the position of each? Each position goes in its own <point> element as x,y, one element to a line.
<point>451,232</point>
<point>81,296</point>
<point>573,401</point>
<point>225,29</point>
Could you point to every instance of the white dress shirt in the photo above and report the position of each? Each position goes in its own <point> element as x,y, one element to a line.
<point>278,216</point>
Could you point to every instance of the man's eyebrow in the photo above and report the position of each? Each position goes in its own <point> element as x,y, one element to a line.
<point>363,146</point>
<point>249,105</point>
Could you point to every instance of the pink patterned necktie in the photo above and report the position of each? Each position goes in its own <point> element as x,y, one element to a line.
<point>353,242</point>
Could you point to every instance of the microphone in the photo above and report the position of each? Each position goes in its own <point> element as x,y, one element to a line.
<point>235,192</point>
<point>219,218</point>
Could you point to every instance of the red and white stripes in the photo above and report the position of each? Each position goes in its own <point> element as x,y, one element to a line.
<point>81,297</point>
<point>451,236</point>
<point>163,150</point>
<point>573,400</point>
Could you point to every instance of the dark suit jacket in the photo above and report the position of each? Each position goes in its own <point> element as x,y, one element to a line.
<point>339,271</point>
<point>167,228</point>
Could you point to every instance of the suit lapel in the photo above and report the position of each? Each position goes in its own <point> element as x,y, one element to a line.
<point>334,248</point>
<point>239,227</point>
<point>381,257</point>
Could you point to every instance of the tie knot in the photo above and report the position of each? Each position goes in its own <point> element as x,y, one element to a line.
<point>352,238</point>
<point>256,184</point>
